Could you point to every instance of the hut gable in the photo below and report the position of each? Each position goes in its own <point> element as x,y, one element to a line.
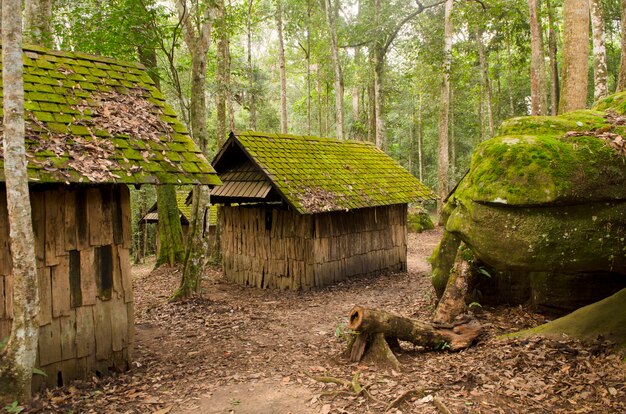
<point>92,119</point>
<point>312,174</point>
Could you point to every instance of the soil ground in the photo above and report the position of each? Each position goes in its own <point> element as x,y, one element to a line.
<point>250,351</point>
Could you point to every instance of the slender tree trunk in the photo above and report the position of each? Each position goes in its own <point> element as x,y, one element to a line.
<point>538,99</point>
<point>251,93</point>
<point>332,10</point>
<point>198,40</point>
<point>452,141</point>
<point>221,75</point>
<point>420,138</point>
<point>371,111</point>
<point>381,139</point>
<point>484,69</point>
<point>281,63</point>
<point>318,87</point>
<point>510,76</point>
<point>554,70</point>
<point>621,80</point>
<point>172,249</point>
<point>355,87</point>
<point>600,72</point>
<point>308,67</point>
<point>18,357</point>
<point>444,118</point>
<point>38,22</point>
<point>575,55</point>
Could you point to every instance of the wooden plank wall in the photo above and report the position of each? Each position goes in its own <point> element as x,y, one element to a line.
<point>257,253</point>
<point>84,327</point>
<point>305,251</point>
<point>359,242</point>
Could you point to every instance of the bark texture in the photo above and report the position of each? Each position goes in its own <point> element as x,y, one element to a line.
<point>197,28</point>
<point>172,249</point>
<point>38,22</point>
<point>282,69</point>
<point>621,80</point>
<point>332,9</point>
<point>600,72</point>
<point>484,70</point>
<point>554,70</point>
<point>575,55</point>
<point>538,98</point>
<point>444,112</point>
<point>17,359</point>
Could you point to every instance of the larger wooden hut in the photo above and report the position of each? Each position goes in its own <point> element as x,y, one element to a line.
<point>304,212</point>
<point>93,126</point>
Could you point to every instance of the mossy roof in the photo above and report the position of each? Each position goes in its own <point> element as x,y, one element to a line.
<point>182,198</point>
<point>321,174</point>
<point>93,119</point>
<point>563,159</point>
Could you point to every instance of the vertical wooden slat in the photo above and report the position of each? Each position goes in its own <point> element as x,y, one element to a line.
<point>54,225</point>
<point>94,208</point>
<point>85,334</point>
<point>82,219</point>
<point>106,196</point>
<point>102,326</point>
<point>38,211</point>
<point>68,336</point>
<point>50,343</point>
<point>119,325</point>
<point>87,277</point>
<point>130,316</point>
<point>44,279</point>
<point>125,267</point>
<point>61,288</point>
<point>70,219</point>
<point>2,312</point>
<point>126,215</point>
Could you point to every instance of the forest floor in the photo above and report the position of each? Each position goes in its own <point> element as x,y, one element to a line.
<point>248,351</point>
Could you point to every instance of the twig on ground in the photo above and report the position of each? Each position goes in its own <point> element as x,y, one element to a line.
<point>441,406</point>
<point>401,398</point>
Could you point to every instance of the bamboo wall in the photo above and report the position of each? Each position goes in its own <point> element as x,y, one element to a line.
<point>82,241</point>
<point>271,248</point>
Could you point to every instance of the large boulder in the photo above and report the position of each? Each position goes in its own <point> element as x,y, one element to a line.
<point>543,209</point>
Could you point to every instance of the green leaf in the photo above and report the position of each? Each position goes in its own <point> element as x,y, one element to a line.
<point>37,371</point>
<point>484,271</point>
<point>14,407</point>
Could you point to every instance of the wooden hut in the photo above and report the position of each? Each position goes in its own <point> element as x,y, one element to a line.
<point>93,126</point>
<point>310,211</point>
<point>183,202</point>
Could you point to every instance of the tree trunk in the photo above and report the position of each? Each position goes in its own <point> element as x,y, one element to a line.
<point>332,10</point>
<point>554,70</point>
<point>308,67</point>
<point>510,76</point>
<point>442,172</point>
<point>452,303</point>
<point>452,143</point>
<point>575,55</point>
<point>538,99</point>
<point>371,111</point>
<point>356,110</point>
<point>420,138</point>
<point>18,357</point>
<point>381,139</point>
<point>251,93</point>
<point>484,69</point>
<point>172,249</point>
<point>281,63</point>
<point>221,75</point>
<point>372,321</point>
<point>198,40</point>
<point>621,80</point>
<point>38,22</point>
<point>600,72</point>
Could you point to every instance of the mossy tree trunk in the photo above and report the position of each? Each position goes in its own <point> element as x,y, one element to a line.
<point>554,70</point>
<point>538,98</point>
<point>621,80</point>
<point>444,117</point>
<point>600,72</point>
<point>575,55</point>
<point>282,68</point>
<point>38,22</point>
<point>18,357</point>
<point>197,33</point>
<point>172,250</point>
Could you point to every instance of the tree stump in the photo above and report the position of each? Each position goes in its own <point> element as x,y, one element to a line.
<point>375,328</point>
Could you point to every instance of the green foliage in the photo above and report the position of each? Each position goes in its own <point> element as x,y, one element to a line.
<point>37,371</point>
<point>14,407</point>
<point>3,343</point>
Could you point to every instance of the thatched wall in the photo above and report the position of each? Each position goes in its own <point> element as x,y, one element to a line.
<point>281,249</point>
<point>82,241</point>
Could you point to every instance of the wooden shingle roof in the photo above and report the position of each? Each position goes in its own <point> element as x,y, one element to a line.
<point>183,202</point>
<point>95,119</point>
<point>318,174</point>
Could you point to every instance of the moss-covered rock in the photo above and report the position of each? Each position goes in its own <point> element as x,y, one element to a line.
<point>543,207</point>
<point>419,220</point>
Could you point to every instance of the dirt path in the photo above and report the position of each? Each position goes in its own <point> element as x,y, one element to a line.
<point>242,350</point>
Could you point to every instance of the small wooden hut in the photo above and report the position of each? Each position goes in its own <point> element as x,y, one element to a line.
<point>93,126</point>
<point>310,211</point>
<point>183,202</point>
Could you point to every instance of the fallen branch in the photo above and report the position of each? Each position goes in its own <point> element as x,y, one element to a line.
<point>401,398</point>
<point>440,406</point>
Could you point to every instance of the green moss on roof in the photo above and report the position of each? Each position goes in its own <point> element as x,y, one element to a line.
<point>95,119</point>
<point>322,174</point>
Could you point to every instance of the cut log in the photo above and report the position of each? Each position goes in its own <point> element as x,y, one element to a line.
<point>458,335</point>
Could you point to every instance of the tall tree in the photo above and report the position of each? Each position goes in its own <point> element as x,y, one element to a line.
<point>17,359</point>
<point>197,23</point>
<point>171,246</point>
<point>282,68</point>
<point>483,61</point>
<point>600,72</point>
<point>38,22</point>
<point>222,75</point>
<point>538,98</point>
<point>251,94</point>
<point>621,80</point>
<point>575,55</point>
<point>444,112</point>
<point>332,9</point>
<point>552,51</point>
